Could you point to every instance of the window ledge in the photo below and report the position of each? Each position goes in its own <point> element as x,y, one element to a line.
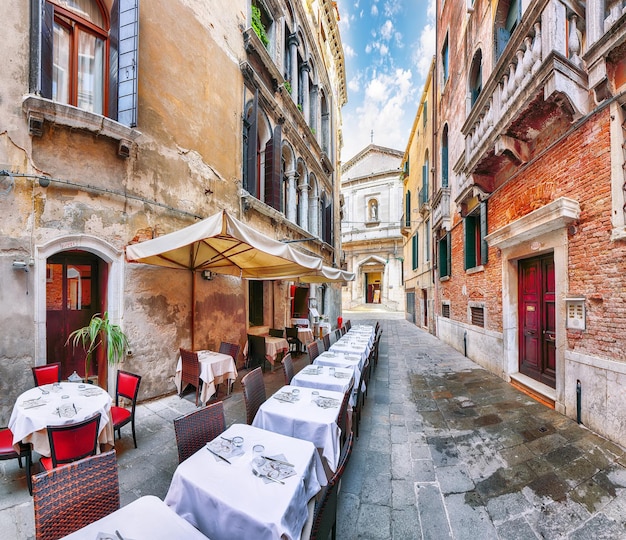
<point>475,270</point>
<point>39,109</point>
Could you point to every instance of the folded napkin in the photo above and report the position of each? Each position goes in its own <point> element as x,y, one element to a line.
<point>311,370</point>
<point>89,392</point>
<point>67,410</point>
<point>110,536</point>
<point>32,403</point>
<point>286,396</point>
<point>275,469</point>
<point>342,375</point>
<point>225,448</point>
<point>327,403</point>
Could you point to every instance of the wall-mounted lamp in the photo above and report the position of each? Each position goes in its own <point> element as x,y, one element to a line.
<point>20,265</point>
<point>207,274</point>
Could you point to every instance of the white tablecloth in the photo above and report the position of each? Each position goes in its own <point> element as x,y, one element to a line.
<point>226,501</point>
<point>304,420</point>
<point>349,347</point>
<point>215,368</point>
<point>29,424</point>
<point>147,517</point>
<point>339,360</point>
<point>323,380</point>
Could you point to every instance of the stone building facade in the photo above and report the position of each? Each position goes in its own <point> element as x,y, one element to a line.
<point>529,136</point>
<point>418,173</point>
<point>114,130</point>
<point>370,228</point>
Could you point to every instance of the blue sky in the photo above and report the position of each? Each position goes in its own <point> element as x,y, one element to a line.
<point>388,47</point>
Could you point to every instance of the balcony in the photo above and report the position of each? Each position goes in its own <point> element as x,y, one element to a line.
<point>424,203</point>
<point>538,83</point>
<point>441,209</point>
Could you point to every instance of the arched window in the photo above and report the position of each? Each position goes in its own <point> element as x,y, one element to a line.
<point>476,76</point>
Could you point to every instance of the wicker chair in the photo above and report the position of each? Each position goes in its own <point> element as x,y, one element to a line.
<point>337,334</point>
<point>193,430</point>
<point>71,442</point>
<point>325,514</point>
<point>342,419</point>
<point>256,352</point>
<point>295,345</point>
<point>288,368</point>
<point>326,341</point>
<point>231,349</point>
<point>8,452</point>
<point>356,411</point>
<point>71,497</point>
<point>376,347</point>
<point>127,387</point>
<point>277,332</point>
<point>313,350</point>
<point>343,330</point>
<point>253,393</point>
<point>190,373</point>
<point>47,374</point>
<point>348,325</point>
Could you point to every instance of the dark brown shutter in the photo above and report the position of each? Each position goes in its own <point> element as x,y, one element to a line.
<point>46,57</point>
<point>272,170</point>
<point>251,148</point>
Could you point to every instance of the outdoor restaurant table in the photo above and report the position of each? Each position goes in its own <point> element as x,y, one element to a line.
<point>34,411</point>
<point>304,420</point>
<point>147,517</point>
<point>226,501</point>
<point>319,378</point>
<point>339,360</point>
<point>363,330</point>
<point>273,346</point>
<point>347,346</point>
<point>215,368</point>
<point>305,335</point>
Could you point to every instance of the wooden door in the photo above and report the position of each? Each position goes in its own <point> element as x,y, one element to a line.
<point>537,319</point>
<point>72,298</point>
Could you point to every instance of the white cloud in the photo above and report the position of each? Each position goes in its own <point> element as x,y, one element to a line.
<point>374,10</point>
<point>387,109</point>
<point>392,7</point>
<point>386,30</point>
<point>425,51</point>
<point>383,49</point>
<point>368,48</point>
<point>349,52</point>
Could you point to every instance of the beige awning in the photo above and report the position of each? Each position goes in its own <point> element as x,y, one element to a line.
<point>224,245</point>
<point>327,274</point>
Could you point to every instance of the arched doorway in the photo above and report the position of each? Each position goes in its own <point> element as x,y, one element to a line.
<point>74,290</point>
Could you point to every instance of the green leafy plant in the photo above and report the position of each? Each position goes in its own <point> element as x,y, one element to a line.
<point>288,86</point>
<point>299,107</point>
<point>257,26</point>
<point>100,330</point>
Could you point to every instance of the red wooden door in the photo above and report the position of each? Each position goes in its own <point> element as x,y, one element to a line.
<point>537,321</point>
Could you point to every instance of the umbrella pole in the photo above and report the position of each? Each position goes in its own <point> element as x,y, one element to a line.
<point>193,310</point>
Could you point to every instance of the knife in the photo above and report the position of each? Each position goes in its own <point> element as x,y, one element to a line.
<point>278,461</point>
<point>218,455</point>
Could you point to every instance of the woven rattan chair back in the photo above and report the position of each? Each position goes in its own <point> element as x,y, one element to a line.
<point>325,515</point>
<point>326,341</point>
<point>127,388</point>
<point>71,497</point>
<point>348,325</point>
<point>253,393</point>
<point>343,330</point>
<point>356,411</point>
<point>337,334</point>
<point>342,419</point>
<point>288,368</point>
<point>190,373</point>
<point>256,352</point>
<point>195,429</point>
<point>47,374</point>
<point>313,350</point>
<point>7,451</point>
<point>231,349</point>
<point>71,442</point>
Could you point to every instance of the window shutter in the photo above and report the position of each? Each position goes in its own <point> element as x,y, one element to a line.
<point>272,170</point>
<point>470,249</point>
<point>444,164</point>
<point>407,209</point>
<point>443,270</point>
<point>425,113</point>
<point>123,70</point>
<point>328,222</point>
<point>502,38</point>
<point>424,194</point>
<point>414,252</point>
<point>484,247</point>
<point>251,150</point>
<point>43,57</point>
<point>449,254</point>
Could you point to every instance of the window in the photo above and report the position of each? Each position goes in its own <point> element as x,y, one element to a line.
<point>414,251</point>
<point>444,157</point>
<point>476,77</point>
<point>79,59</point>
<point>262,23</point>
<point>477,315</point>
<point>445,310</point>
<point>444,61</point>
<point>475,230</point>
<point>407,209</point>
<point>427,241</point>
<point>425,114</point>
<point>424,190</point>
<point>507,18</point>
<point>445,256</point>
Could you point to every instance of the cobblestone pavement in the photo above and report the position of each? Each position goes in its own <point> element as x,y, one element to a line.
<point>445,450</point>
<point>448,450</point>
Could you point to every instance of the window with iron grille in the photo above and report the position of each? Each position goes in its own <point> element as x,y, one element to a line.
<point>478,316</point>
<point>445,310</point>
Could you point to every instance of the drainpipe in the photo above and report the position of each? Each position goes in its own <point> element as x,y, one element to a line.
<point>579,391</point>
<point>465,343</point>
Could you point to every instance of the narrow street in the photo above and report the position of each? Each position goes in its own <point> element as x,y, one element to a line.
<point>448,450</point>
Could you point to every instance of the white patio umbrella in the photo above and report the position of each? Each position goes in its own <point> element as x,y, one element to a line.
<point>224,245</point>
<point>327,274</point>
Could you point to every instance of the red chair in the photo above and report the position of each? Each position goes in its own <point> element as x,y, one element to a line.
<point>47,374</point>
<point>8,452</point>
<point>71,442</point>
<point>127,387</point>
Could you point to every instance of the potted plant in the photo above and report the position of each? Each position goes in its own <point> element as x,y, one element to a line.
<point>100,330</point>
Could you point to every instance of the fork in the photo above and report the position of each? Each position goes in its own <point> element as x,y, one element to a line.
<point>257,473</point>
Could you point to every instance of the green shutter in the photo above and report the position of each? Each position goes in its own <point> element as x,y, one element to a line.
<point>484,247</point>
<point>469,231</point>
<point>443,250</point>
<point>449,254</point>
<point>414,253</point>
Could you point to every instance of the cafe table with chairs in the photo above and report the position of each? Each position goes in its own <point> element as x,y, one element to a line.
<point>56,405</point>
<point>248,483</point>
<point>215,368</point>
